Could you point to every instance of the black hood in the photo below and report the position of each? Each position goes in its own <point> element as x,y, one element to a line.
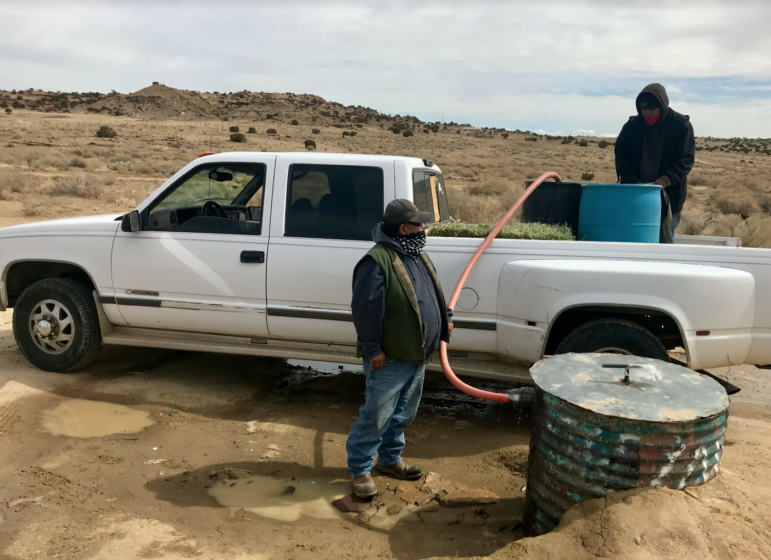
<point>658,91</point>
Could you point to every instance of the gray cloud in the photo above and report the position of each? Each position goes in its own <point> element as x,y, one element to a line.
<point>554,65</point>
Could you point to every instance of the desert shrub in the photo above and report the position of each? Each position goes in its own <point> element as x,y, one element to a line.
<point>13,181</point>
<point>547,232</point>
<point>76,184</point>
<point>755,231</point>
<point>166,168</point>
<point>435,128</point>
<point>352,133</point>
<point>234,129</point>
<point>489,188</point>
<point>106,132</point>
<point>587,176</point>
<point>693,222</point>
<point>109,179</point>
<point>315,131</point>
<point>271,131</point>
<point>238,137</point>
<point>395,130</point>
<point>583,143</point>
<point>505,135</point>
<point>310,144</point>
<point>743,204</point>
<point>602,144</point>
<point>79,163</point>
<point>426,131</point>
<point>8,111</point>
<point>32,206</point>
<point>765,203</point>
<point>346,133</point>
<point>407,133</point>
<point>294,122</point>
<point>252,130</point>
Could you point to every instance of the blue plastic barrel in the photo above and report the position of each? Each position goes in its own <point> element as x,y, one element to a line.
<point>617,212</point>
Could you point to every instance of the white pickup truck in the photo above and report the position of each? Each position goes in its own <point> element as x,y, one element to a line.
<point>252,253</point>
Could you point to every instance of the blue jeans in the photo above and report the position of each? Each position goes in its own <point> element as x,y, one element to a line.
<point>675,222</point>
<point>391,402</point>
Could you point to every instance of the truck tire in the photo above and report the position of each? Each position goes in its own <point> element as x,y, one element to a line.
<point>613,336</point>
<point>56,326</point>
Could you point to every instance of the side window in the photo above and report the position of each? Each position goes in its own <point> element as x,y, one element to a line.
<point>214,198</point>
<point>334,201</point>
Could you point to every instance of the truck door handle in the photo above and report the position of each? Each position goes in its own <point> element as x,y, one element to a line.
<point>252,256</point>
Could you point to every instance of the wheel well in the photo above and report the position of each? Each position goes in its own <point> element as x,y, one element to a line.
<point>663,326</point>
<point>23,274</point>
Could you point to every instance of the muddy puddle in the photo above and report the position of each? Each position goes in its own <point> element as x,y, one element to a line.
<point>281,499</point>
<point>86,419</point>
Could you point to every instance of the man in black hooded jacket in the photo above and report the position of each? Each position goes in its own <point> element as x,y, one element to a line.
<point>657,146</point>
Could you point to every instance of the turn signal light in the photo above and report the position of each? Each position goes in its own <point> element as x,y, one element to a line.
<point>205,154</point>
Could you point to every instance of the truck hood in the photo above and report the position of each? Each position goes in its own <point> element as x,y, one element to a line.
<point>86,224</point>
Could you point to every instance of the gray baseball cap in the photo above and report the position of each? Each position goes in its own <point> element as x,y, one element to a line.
<point>401,211</point>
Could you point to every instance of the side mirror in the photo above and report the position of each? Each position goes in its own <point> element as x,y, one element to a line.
<point>220,176</point>
<point>130,222</point>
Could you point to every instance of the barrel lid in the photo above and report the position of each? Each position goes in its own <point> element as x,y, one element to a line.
<point>656,391</point>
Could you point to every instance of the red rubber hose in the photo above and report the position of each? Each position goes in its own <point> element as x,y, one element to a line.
<point>468,389</point>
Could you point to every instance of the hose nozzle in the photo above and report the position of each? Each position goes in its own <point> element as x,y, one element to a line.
<point>522,396</point>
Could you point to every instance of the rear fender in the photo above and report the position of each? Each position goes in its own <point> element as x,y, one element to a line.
<point>534,293</point>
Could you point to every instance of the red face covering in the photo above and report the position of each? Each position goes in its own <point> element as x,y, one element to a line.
<point>652,120</point>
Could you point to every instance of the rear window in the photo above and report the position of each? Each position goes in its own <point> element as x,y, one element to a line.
<point>430,195</point>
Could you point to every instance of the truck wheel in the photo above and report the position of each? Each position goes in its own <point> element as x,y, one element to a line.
<point>614,336</point>
<point>56,325</point>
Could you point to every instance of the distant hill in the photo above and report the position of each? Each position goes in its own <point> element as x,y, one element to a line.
<point>162,102</point>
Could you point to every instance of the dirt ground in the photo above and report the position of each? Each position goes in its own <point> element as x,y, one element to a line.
<point>245,429</point>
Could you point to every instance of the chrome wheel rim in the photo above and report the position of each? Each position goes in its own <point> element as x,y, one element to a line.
<point>613,350</point>
<point>51,326</point>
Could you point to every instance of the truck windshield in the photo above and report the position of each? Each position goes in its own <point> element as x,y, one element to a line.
<point>429,194</point>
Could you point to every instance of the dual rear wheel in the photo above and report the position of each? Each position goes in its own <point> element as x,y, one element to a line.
<point>613,336</point>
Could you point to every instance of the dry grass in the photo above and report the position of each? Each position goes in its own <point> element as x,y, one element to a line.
<point>742,203</point>
<point>754,231</point>
<point>13,181</point>
<point>32,206</point>
<point>483,175</point>
<point>79,185</point>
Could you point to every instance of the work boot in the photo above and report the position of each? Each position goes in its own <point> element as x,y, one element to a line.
<point>401,470</point>
<point>364,487</point>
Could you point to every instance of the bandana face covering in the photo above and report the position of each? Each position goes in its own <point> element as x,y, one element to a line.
<point>653,120</point>
<point>413,243</point>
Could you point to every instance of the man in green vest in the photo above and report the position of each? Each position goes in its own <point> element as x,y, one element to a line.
<point>400,316</point>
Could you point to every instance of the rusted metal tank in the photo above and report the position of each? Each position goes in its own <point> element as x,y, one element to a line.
<point>599,427</point>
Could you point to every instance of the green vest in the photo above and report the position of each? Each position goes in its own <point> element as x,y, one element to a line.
<point>402,337</point>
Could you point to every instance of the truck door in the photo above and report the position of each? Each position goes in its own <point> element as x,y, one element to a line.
<point>321,226</point>
<point>198,264</point>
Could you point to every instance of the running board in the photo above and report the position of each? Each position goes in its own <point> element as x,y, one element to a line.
<point>474,365</point>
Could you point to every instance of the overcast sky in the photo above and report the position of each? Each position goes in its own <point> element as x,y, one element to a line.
<point>560,67</point>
